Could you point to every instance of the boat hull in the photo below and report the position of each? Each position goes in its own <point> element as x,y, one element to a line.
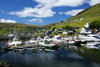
<point>47,45</point>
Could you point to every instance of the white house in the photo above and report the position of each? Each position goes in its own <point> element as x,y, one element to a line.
<point>86,30</point>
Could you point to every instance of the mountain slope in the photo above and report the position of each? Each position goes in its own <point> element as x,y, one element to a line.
<point>91,14</point>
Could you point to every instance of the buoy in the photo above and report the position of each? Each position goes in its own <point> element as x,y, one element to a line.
<point>71,40</point>
<point>6,43</point>
<point>24,42</point>
<point>57,51</point>
<point>57,43</point>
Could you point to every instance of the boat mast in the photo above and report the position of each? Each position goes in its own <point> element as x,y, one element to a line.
<point>14,31</point>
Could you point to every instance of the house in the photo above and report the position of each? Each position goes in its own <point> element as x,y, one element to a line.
<point>86,29</point>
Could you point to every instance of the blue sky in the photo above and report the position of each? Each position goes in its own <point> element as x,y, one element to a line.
<point>41,12</point>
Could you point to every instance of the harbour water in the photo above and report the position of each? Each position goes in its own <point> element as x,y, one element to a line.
<point>59,57</point>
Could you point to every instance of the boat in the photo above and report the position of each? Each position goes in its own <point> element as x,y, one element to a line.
<point>76,39</point>
<point>93,37</point>
<point>90,37</point>
<point>69,40</point>
<point>93,45</point>
<point>46,43</point>
<point>47,38</point>
<point>82,38</point>
<point>15,41</point>
<point>33,40</point>
<point>57,39</point>
<point>11,35</point>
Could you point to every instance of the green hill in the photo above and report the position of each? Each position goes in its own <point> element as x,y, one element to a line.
<point>91,14</point>
<point>6,28</point>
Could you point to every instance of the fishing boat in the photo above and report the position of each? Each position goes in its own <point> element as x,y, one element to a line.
<point>47,38</point>
<point>33,40</point>
<point>57,39</point>
<point>90,37</point>
<point>93,37</point>
<point>93,45</point>
<point>45,43</point>
<point>15,41</point>
<point>69,41</point>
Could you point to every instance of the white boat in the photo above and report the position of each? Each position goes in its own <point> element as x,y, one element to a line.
<point>39,39</point>
<point>33,41</point>
<point>90,37</point>
<point>69,40</point>
<point>93,45</point>
<point>82,38</point>
<point>76,39</point>
<point>93,37</point>
<point>57,39</point>
<point>15,41</point>
<point>47,38</point>
<point>45,43</point>
<point>11,35</point>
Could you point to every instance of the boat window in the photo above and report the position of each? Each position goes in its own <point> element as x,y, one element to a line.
<point>96,37</point>
<point>58,37</point>
<point>33,38</point>
<point>96,45</point>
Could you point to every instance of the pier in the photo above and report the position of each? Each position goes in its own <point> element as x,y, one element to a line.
<point>21,47</point>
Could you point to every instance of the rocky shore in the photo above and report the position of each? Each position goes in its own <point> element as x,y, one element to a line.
<point>5,65</point>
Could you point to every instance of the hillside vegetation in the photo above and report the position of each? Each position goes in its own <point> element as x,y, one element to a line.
<point>6,28</point>
<point>91,14</point>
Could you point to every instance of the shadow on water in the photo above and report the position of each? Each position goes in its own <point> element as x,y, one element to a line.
<point>90,54</point>
<point>49,57</point>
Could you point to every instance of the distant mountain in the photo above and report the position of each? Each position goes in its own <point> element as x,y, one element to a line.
<point>6,28</point>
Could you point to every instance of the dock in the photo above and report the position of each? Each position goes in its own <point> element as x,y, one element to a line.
<point>31,46</point>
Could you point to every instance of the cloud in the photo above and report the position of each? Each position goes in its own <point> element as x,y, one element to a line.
<point>33,12</point>
<point>56,3</point>
<point>36,20</point>
<point>2,11</point>
<point>44,8</point>
<point>93,2</point>
<point>7,21</point>
<point>60,12</point>
<point>73,12</point>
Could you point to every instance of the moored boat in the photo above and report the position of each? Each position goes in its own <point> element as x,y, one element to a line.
<point>93,45</point>
<point>14,42</point>
<point>45,43</point>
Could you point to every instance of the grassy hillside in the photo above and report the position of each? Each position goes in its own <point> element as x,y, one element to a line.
<point>5,28</point>
<point>91,14</point>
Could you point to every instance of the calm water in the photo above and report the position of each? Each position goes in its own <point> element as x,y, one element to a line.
<point>39,58</point>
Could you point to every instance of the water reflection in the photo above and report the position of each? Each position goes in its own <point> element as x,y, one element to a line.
<point>47,58</point>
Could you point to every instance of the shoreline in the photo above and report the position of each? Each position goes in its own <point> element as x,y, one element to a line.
<point>2,64</point>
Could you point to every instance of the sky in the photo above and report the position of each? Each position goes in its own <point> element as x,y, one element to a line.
<point>41,12</point>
